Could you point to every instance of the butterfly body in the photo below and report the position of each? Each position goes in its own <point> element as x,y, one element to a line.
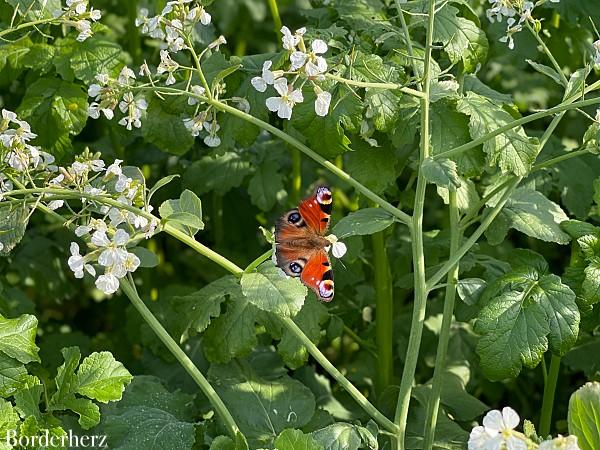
<point>301,246</point>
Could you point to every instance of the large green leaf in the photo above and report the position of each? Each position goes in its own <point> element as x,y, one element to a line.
<point>529,212</point>
<point>163,125</point>
<point>262,408</point>
<point>584,416</point>
<point>340,436</point>
<point>374,167</point>
<point>96,55</point>
<point>442,172</point>
<point>218,173</point>
<point>523,314</point>
<point>271,290</point>
<point>296,440</point>
<point>513,151</point>
<point>17,338</point>
<point>13,222</point>
<point>365,221</point>
<point>265,185</point>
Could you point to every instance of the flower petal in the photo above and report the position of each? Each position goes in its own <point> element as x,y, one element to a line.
<point>319,46</point>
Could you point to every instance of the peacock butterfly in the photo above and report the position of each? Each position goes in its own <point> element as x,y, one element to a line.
<point>301,247</point>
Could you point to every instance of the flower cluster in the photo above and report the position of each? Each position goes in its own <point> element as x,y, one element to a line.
<point>76,14</point>
<point>109,93</point>
<point>511,9</point>
<point>304,65</point>
<point>498,433</point>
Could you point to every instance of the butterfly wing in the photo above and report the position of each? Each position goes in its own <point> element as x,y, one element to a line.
<point>316,210</point>
<point>318,276</point>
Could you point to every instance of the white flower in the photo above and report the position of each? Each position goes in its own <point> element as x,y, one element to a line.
<point>85,30</point>
<point>95,14</point>
<point>107,283</point>
<point>297,58</point>
<point>117,216</point>
<point>322,103</point>
<point>82,230</point>
<point>510,30</point>
<point>139,222</point>
<point>77,262</point>
<point>125,75</point>
<point>290,41</point>
<point>496,432</point>
<point>95,90</point>
<point>150,26</point>
<point>167,65</point>
<point>144,70</point>
<point>212,140</point>
<point>5,184</point>
<point>217,43</point>
<point>174,39</point>
<point>197,90</point>
<point>114,168</point>
<point>499,10</point>
<point>55,204</point>
<point>134,110</point>
<point>596,58</point>
<point>132,262</point>
<point>316,65</point>
<point>79,6</point>
<point>194,125</point>
<point>95,109</point>
<point>169,7</point>
<point>560,443</point>
<point>526,13</point>
<point>267,78</point>
<point>284,104</point>
<point>114,254</point>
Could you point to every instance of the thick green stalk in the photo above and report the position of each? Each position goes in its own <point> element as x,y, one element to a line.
<point>384,310</point>
<point>549,391</point>
<point>420,303</point>
<point>442,349</point>
<point>275,14</point>
<point>383,421</point>
<point>129,290</point>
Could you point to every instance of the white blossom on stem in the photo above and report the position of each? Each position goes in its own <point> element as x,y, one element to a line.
<point>497,432</point>
<point>284,104</point>
<point>167,65</point>
<point>289,40</point>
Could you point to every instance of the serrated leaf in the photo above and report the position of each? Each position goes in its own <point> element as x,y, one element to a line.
<point>363,222</point>
<point>470,289</point>
<point>441,172</point>
<point>296,440</point>
<point>88,411</point>
<point>144,427</point>
<point>577,228</point>
<point>262,408</point>
<point>233,333</point>
<point>199,308</point>
<point>17,338</point>
<point>462,39</point>
<point>163,125</point>
<point>265,185</point>
<point>13,376</point>
<point>523,314</point>
<point>271,291</point>
<point>9,420</point>
<point>13,222</point>
<point>27,398</point>
<point>219,173</point>
<point>584,416</point>
<point>94,56</point>
<point>102,378</point>
<point>529,212</point>
<point>573,182</point>
<point>185,212</point>
<point>513,151</point>
<point>545,70</point>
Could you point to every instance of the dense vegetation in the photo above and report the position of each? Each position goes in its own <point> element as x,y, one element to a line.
<point>148,148</point>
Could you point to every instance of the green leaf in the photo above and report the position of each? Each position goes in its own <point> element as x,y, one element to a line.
<point>27,398</point>
<point>145,427</point>
<point>233,333</point>
<point>512,150</point>
<point>578,358</point>
<point>470,289</point>
<point>450,129</point>
<point>185,212</point>
<point>523,314</point>
<point>467,196</point>
<point>272,291</point>
<point>573,183</point>
<point>363,222</point>
<point>265,185</point>
<point>102,378</point>
<point>545,70</point>
<point>9,420</point>
<point>441,172</point>
<point>577,228</point>
<point>462,39</point>
<point>198,308</point>
<point>576,84</point>
<point>262,408</point>
<point>13,222</point>
<point>296,440</point>
<point>88,411</point>
<point>373,167</point>
<point>13,376</point>
<point>218,173</point>
<point>96,55</point>
<point>531,213</point>
<point>17,338</point>
<point>163,125</point>
<point>338,436</point>
<point>584,416</point>
<point>161,183</point>
<point>147,258</point>
<point>55,109</point>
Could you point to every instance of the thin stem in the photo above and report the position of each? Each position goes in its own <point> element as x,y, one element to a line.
<point>275,14</point>
<point>408,40</point>
<point>549,391</point>
<point>129,290</point>
<point>509,126</point>
<point>442,349</point>
<point>258,261</point>
<point>485,223</point>
<point>26,25</point>
<point>366,84</point>
<point>556,160</point>
<point>420,302</point>
<point>384,312</point>
<point>549,54</point>
<point>196,59</point>
<point>337,375</point>
<point>402,216</point>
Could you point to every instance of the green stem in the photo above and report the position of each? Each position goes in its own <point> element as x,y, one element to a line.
<point>420,303</point>
<point>549,54</point>
<point>400,215</point>
<point>485,223</point>
<point>549,391</point>
<point>196,59</point>
<point>26,25</point>
<point>560,158</point>
<point>129,290</point>
<point>337,375</point>
<point>442,349</point>
<point>275,14</point>
<point>258,261</point>
<point>366,84</point>
<point>408,40</point>
<point>523,120</point>
<point>384,312</point>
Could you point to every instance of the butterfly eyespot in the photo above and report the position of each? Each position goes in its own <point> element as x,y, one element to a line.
<point>294,218</point>
<point>323,196</point>
<point>295,267</point>
<point>326,288</point>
